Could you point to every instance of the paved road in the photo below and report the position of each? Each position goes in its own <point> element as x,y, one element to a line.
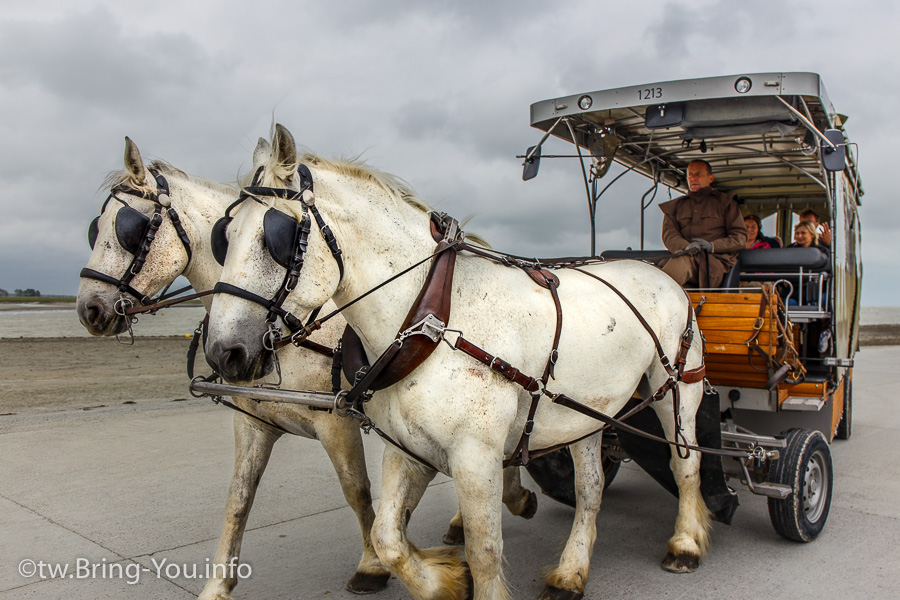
<point>143,483</point>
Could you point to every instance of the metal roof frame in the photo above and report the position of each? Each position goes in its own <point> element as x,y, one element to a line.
<point>757,167</point>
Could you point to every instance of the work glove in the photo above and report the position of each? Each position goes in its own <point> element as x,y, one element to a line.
<point>702,245</point>
<point>692,249</point>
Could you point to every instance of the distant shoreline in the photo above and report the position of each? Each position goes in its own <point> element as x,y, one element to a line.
<point>67,304</point>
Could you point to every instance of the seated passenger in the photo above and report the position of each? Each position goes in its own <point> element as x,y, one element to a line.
<point>821,226</point>
<point>705,228</point>
<point>755,238</point>
<point>806,236</point>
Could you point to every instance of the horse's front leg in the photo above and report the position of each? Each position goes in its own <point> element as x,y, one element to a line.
<point>253,443</point>
<point>567,580</point>
<point>519,500</point>
<point>477,474</point>
<point>342,441</point>
<point>691,539</point>
<point>433,574</point>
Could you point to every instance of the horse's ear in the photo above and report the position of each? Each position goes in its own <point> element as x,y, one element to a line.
<point>262,153</point>
<point>134,164</point>
<point>285,148</point>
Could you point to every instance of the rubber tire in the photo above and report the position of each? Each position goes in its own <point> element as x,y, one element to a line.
<point>807,455</point>
<point>845,425</point>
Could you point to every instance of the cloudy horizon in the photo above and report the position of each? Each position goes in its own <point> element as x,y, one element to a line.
<point>438,95</point>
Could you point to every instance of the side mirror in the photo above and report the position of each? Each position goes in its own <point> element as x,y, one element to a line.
<point>833,159</point>
<point>532,164</point>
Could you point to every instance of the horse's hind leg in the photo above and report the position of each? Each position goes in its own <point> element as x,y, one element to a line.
<point>432,574</point>
<point>567,580</point>
<point>342,441</point>
<point>520,501</point>
<point>253,443</point>
<point>691,539</point>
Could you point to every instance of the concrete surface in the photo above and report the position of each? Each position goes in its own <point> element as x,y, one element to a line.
<point>134,484</point>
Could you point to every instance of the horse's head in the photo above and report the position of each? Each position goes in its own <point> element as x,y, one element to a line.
<point>140,243</point>
<point>276,268</point>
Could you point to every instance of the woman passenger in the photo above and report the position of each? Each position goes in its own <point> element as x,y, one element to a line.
<point>755,238</point>
<point>806,236</point>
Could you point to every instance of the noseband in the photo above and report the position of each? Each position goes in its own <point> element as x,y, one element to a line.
<point>287,242</point>
<point>135,232</point>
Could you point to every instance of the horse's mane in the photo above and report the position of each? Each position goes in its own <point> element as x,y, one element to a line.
<point>124,177</point>
<point>356,167</point>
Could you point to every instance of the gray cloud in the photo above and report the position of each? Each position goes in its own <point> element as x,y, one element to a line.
<point>437,94</point>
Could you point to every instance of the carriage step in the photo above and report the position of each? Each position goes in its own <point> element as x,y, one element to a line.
<point>803,403</point>
<point>772,490</point>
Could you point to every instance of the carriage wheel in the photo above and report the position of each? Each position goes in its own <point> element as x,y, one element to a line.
<point>844,428</point>
<point>805,465</point>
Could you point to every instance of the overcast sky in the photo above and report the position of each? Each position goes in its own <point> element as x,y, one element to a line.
<point>436,93</point>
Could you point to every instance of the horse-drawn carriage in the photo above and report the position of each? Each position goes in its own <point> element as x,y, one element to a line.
<point>505,378</point>
<point>781,332</point>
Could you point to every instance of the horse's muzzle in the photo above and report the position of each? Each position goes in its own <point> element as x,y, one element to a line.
<point>100,318</point>
<point>238,363</point>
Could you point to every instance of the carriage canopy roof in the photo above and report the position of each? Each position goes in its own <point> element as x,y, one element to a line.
<point>761,132</point>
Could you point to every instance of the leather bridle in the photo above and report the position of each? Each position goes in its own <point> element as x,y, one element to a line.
<point>135,233</point>
<point>287,242</point>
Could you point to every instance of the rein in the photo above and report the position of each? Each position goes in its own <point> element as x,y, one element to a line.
<point>388,369</point>
<point>351,402</point>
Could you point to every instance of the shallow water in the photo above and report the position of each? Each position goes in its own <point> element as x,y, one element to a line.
<point>62,321</point>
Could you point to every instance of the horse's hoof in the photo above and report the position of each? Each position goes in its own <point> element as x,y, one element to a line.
<point>686,563</point>
<point>366,583</point>
<point>555,593</point>
<point>530,506</point>
<point>455,536</point>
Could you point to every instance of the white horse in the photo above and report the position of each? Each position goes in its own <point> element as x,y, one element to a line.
<point>198,204</point>
<point>453,412</point>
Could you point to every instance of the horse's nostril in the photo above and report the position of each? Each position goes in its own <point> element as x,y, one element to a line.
<point>92,314</point>
<point>230,361</point>
<point>235,357</point>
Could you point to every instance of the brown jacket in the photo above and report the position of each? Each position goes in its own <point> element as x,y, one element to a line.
<point>710,215</point>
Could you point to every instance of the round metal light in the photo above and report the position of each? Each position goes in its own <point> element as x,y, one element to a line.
<point>585,102</point>
<point>743,85</point>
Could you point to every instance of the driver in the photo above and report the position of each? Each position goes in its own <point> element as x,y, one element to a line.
<point>707,226</point>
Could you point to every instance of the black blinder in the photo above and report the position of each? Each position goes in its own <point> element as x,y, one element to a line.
<point>218,239</point>
<point>281,231</point>
<point>131,228</point>
<point>93,232</point>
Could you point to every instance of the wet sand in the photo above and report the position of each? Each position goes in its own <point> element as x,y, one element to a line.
<point>39,375</point>
<point>52,374</point>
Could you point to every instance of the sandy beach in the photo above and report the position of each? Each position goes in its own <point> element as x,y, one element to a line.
<point>51,374</point>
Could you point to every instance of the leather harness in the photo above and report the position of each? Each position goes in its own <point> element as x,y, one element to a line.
<point>426,323</point>
<point>402,357</point>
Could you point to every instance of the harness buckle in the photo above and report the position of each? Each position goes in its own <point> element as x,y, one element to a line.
<point>431,327</point>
